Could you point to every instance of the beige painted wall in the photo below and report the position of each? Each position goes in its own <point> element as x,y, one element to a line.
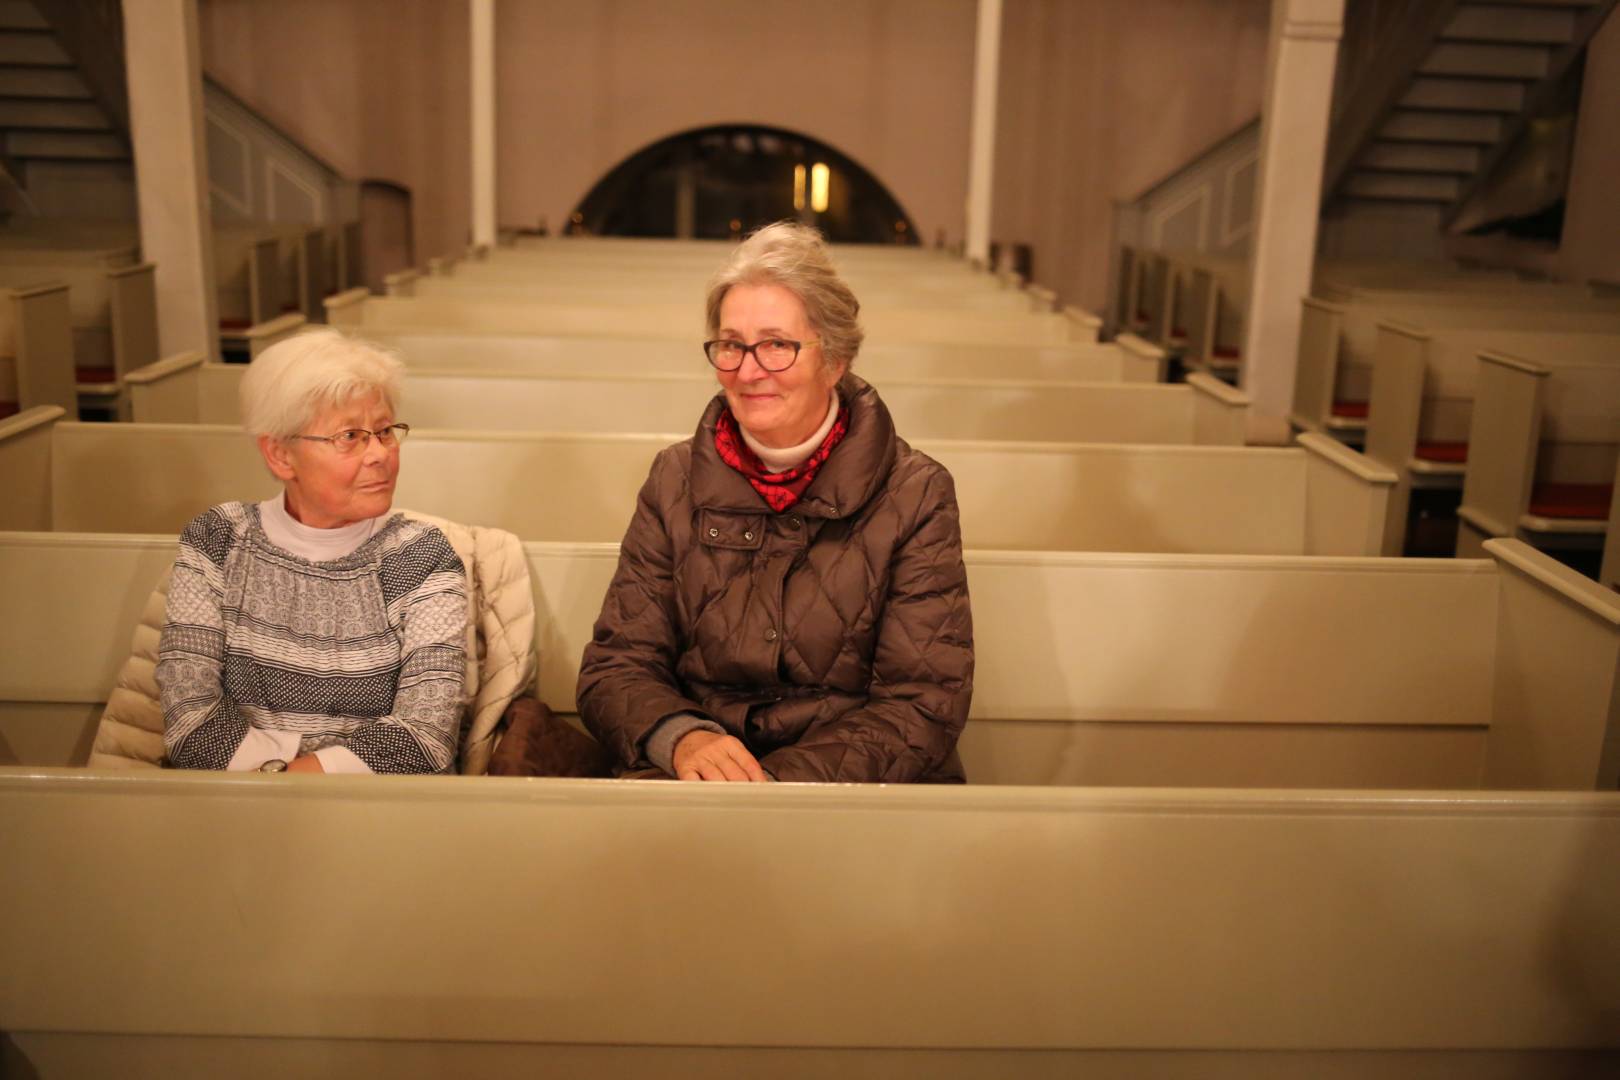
<point>1591,244</point>
<point>1101,99</point>
<point>376,87</point>
<point>585,85</point>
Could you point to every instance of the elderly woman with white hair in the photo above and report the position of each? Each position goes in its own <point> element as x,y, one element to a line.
<point>790,601</point>
<point>315,631</point>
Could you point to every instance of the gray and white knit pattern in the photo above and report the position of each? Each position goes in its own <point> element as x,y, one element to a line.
<point>367,651</point>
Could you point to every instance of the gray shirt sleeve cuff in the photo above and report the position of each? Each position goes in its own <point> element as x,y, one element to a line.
<point>659,747</point>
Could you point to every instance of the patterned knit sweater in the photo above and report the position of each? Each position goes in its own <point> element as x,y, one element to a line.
<point>367,651</point>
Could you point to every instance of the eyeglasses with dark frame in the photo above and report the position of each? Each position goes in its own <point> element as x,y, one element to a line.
<point>773,354</point>
<point>350,440</point>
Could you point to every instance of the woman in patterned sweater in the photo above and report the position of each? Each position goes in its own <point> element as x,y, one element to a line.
<point>315,631</point>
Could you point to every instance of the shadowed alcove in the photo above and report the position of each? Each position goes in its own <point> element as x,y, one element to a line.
<point>714,182</point>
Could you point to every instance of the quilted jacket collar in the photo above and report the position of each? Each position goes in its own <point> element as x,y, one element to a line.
<point>850,477</point>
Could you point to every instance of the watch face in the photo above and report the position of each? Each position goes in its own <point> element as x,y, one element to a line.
<point>273,765</point>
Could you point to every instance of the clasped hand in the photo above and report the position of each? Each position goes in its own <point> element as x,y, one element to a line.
<point>708,755</point>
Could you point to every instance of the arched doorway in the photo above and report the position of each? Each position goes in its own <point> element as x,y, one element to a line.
<point>716,182</point>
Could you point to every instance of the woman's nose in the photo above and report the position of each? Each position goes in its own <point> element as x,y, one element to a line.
<point>752,370</point>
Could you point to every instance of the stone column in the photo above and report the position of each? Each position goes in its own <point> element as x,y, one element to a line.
<point>164,64</point>
<point>982,141</point>
<point>1287,201</point>
<point>482,13</point>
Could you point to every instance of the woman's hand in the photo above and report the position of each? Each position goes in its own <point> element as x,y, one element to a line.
<point>305,763</point>
<point>708,755</point>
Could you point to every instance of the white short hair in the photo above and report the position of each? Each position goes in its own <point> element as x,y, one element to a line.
<point>293,380</point>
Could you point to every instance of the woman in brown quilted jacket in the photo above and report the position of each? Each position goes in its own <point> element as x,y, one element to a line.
<point>790,601</point>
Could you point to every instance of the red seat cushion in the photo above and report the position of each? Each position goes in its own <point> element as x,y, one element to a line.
<point>1451,453</point>
<point>95,374</point>
<point>1589,502</point>
<point>1177,331</point>
<point>1350,410</point>
<point>234,324</point>
<point>1141,315</point>
<point>9,408</point>
<point>1226,352</point>
<point>289,307</point>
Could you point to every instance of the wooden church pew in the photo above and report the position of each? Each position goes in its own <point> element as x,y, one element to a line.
<point>1319,499</point>
<point>682,321</point>
<point>1548,440</point>
<point>1338,342</point>
<point>1422,398</point>
<point>1125,359</point>
<point>1179,670</point>
<point>1201,411</point>
<point>1313,933</point>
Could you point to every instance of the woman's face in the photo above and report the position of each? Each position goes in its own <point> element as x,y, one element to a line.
<point>328,487</point>
<point>779,408</point>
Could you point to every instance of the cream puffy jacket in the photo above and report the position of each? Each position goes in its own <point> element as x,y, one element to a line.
<point>501,659</point>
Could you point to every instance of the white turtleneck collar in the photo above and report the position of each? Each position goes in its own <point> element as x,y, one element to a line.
<point>307,542</point>
<point>788,457</point>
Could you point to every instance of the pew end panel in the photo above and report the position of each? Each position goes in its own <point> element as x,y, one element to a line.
<point>1084,326</point>
<point>1556,715</point>
<point>1220,412</point>
<point>1609,572</point>
<point>1393,416</point>
<point>25,469</point>
<point>43,322</point>
<point>1320,331</point>
<point>1348,499</point>
<point>167,392</point>
<point>1502,437</point>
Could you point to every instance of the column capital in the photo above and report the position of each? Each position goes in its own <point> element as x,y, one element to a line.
<point>1311,20</point>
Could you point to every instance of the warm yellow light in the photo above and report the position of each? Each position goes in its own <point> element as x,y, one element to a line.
<point>819,176</point>
<point>798,187</point>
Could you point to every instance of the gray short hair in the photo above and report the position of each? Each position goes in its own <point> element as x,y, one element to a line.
<point>795,257</point>
<point>293,380</point>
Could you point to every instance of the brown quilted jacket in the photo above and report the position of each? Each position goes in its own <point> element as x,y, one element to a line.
<point>834,639</point>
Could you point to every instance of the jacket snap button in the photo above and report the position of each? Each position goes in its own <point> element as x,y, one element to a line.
<point>748,536</point>
<point>713,532</point>
<point>770,634</point>
<point>794,522</point>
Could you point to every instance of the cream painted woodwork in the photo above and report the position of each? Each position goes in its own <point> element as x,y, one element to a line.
<point>1338,343</point>
<point>1525,413</point>
<point>1125,359</point>
<point>1309,933</point>
<point>1202,411</point>
<point>1174,670</point>
<point>1319,499</point>
<point>1609,572</point>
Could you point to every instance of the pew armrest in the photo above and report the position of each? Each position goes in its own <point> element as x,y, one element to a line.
<point>1556,709</point>
<point>1083,325</point>
<point>260,336</point>
<point>165,391</point>
<point>1348,499</point>
<point>1145,361</point>
<point>402,283</point>
<point>1042,298</point>
<point>1220,412</point>
<point>345,306</point>
<point>29,419</point>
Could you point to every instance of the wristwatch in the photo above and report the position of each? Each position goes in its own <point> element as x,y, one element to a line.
<point>274,765</point>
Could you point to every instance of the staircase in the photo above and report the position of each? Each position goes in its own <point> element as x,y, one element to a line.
<point>1435,93</point>
<point>62,126</point>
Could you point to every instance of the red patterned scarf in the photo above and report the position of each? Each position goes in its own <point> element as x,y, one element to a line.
<point>779,490</point>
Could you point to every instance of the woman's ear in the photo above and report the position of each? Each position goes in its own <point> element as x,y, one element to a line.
<point>278,458</point>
